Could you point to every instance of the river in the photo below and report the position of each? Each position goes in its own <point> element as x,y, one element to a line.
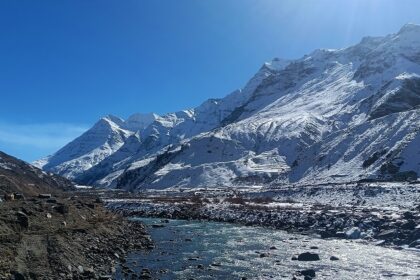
<point>210,250</point>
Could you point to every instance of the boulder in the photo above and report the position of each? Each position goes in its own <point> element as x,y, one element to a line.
<point>62,209</point>
<point>89,273</point>
<point>157,226</point>
<point>19,196</point>
<point>145,274</point>
<point>327,233</point>
<point>9,197</point>
<point>22,219</point>
<point>340,234</point>
<point>386,234</point>
<point>307,256</point>
<point>18,275</point>
<point>353,233</point>
<point>414,244</point>
<point>80,269</point>
<point>410,224</point>
<point>308,272</point>
<point>90,205</point>
<point>408,215</point>
<point>415,234</point>
<point>26,211</point>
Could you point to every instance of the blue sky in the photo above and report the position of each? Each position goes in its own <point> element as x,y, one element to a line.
<point>66,63</point>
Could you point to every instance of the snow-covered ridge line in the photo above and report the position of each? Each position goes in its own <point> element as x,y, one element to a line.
<point>331,116</point>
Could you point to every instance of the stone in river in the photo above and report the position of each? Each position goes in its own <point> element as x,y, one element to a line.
<point>157,226</point>
<point>308,272</point>
<point>307,257</point>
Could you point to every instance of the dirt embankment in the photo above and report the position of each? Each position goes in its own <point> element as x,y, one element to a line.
<point>65,236</point>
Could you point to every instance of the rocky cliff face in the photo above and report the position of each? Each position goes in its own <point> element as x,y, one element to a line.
<point>331,116</point>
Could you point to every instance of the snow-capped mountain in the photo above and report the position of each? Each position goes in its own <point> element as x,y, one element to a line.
<point>331,116</point>
<point>106,137</point>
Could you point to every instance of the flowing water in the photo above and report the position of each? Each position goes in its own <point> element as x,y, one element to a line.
<point>210,250</point>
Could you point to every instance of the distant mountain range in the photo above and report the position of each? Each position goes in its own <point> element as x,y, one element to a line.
<point>331,116</point>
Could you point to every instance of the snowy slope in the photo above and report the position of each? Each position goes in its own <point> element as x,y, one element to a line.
<point>331,116</point>
<point>171,129</point>
<point>106,137</point>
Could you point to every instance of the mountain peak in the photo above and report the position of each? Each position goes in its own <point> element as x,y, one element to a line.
<point>371,40</point>
<point>140,121</point>
<point>409,37</point>
<point>327,118</point>
<point>277,64</point>
<point>108,123</point>
<point>142,116</point>
<point>410,28</point>
<point>118,121</point>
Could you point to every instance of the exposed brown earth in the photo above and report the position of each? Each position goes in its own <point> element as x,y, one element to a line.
<point>49,231</point>
<point>65,237</point>
<point>17,176</point>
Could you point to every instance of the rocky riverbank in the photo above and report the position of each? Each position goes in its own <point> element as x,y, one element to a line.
<point>387,215</point>
<point>65,236</point>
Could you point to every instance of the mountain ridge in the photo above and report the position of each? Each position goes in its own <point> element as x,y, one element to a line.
<point>294,121</point>
<point>17,176</point>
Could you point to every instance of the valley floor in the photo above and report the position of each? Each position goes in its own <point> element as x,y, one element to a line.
<point>73,235</point>
<point>385,214</point>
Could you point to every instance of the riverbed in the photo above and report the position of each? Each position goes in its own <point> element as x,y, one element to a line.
<point>211,250</point>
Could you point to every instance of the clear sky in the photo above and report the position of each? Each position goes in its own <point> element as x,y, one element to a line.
<point>66,63</point>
